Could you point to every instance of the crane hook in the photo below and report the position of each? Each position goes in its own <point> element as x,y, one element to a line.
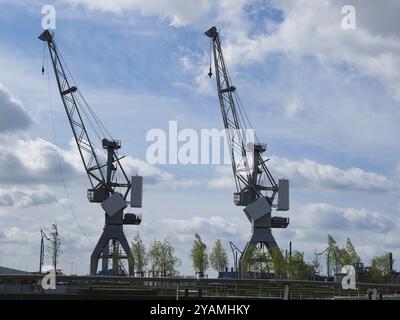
<point>210,73</point>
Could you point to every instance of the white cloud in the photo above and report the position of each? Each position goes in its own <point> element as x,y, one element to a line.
<point>323,216</point>
<point>212,227</point>
<point>13,116</point>
<point>308,174</point>
<point>17,235</point>
<point>151,174</point>
<point>24,197</point>
<point>372,232</point>
<point>224,178</point>
<point>29,162</point>
<point>24,161</point>
<point>177,12</point>
<point>313,28</point>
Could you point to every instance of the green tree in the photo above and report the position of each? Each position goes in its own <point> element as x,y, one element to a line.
<point>218,257</point>
<point>54,245</point>
<point>351,257</point>
<point>256,260</point>
<point>297,268</point>
<point>162,259</point>
<point>140,258</point>
<point>278,263</point>
<point>380,268</point>
<point>339,257</point>
<point>199,255</point>
<point>334,256</point>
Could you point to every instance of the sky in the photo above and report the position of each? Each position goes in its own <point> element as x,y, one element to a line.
<point>323,98</point>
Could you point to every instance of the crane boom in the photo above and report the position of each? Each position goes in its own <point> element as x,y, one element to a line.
<point>249,168</point>
<point>100,177</point>
<point>67,92</point>
<point>234,131</point>
<point>256,188</point>
<point>105,188</point>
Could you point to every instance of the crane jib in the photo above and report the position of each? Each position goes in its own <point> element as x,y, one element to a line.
<point>106,187</point>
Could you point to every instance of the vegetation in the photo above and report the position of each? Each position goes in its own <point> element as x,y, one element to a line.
<point>279,264</point>
<point>162,259</point>
<point>257,259</point>
<point>338,257</point>
<point>260,260</point>
<point>140,257</point>
<point>199,255</point>
<point>350,255</point>
<point>380,268</point>
<point>297,268</point>
<point>333,255</point>
<point>219,257</point>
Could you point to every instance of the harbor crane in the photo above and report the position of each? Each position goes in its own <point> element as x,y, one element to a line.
<point>110,184</point>
<point>256,189</point>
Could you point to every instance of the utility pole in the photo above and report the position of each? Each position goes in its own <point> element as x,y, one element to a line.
<point>42,237</point>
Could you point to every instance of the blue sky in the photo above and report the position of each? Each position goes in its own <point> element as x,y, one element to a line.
<point>325,100</point>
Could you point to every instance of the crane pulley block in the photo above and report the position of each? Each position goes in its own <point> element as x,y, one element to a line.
<point>69,90</point>
<point>111,144</point>
<point>229,89</point>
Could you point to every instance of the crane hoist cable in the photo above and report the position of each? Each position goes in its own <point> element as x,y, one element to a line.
<point>60,169</point>
<point>210,70</point>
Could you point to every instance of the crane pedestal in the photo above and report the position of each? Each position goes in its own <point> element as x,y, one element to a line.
<point>113,231</point>
<point>261,234</point>
<point>101,251</point>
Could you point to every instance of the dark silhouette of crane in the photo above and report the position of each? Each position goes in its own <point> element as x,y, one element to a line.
<point>110,185</point>
<point>256,189</point>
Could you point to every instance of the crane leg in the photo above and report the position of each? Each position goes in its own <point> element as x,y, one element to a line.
<point>100,246</point>
<point>110,232</point>
<point>261,234</point>
<point>128,252</point>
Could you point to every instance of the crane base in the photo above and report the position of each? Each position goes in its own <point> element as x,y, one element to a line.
<point>115,233</point>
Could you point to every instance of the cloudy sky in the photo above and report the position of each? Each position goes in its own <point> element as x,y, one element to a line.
<point>324,99</point>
